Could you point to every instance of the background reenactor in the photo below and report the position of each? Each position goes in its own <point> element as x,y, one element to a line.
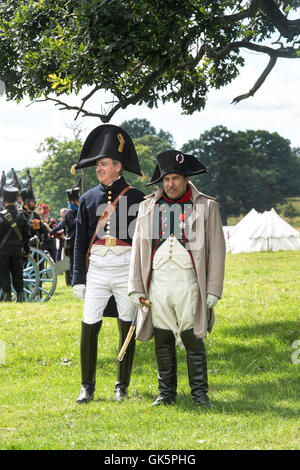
<point>48,243</point>
<point>36,227</point>
<point>70,224</point>
<point>14,244</point>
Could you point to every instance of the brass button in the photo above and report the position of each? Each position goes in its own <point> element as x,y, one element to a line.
<point>109,192</point>
<point>109,202</point>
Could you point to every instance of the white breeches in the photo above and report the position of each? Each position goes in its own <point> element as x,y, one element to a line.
<point>174,293</point>
<point>107,275</point>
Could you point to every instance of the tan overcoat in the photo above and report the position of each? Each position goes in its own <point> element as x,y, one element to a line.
<point>207,245</point>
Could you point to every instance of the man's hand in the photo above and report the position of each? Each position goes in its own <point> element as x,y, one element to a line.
<point>135,298</point>
<point>211,300</point>
<point>79,291</point>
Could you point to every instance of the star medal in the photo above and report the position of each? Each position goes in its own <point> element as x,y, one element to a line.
<point>182,223</point>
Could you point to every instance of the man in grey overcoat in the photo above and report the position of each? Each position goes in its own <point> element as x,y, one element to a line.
<point>178,258</point>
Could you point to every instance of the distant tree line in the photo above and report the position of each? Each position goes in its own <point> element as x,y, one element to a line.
<point>246,169</point>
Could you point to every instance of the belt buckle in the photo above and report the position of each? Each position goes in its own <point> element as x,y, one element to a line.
<point>110,241</point>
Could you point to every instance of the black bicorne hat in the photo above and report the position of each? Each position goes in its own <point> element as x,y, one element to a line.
<point>174,161</point>
<point>74,192</point>
<point>27,193</point>
<point>109,141</point>
<point>10,194</point>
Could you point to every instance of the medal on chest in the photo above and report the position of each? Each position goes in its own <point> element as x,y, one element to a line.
<point>182,223</point>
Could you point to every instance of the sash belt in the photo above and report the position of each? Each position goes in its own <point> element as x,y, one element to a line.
<point>111,241</point>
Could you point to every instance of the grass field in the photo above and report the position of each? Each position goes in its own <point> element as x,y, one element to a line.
<point>254,383</point>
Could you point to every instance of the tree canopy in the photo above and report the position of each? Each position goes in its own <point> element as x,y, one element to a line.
<point>252,169</point>
<point>141,51</point>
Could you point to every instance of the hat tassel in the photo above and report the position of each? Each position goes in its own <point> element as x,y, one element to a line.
<point>73,169</point>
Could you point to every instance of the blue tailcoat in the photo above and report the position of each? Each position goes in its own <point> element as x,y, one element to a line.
<point>92,204</point>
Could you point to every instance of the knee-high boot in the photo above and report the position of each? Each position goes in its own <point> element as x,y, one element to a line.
<point>197,367</point>
<point>20,297</point>
<point>88,360</point>
<point>6,296</point>
<point>124,366</point>
<point>165,349</point>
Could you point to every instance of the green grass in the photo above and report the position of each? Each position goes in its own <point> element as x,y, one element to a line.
<point>254,385</point>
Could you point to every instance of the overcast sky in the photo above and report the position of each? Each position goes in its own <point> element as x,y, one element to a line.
<point>275,108</point>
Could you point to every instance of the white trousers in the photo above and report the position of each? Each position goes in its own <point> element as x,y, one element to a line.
<point>174,293</point>
<point>107,275</point>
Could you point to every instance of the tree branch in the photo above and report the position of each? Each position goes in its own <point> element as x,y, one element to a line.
<point>258,83</point>
<point>123,102</point>
<point>287,28</point>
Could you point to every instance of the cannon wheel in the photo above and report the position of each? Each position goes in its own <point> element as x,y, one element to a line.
<point>47,275</point>
<point>31,279</point>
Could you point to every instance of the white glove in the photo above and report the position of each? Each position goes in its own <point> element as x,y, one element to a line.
<point>211,300</point>
<point>135,298</point>
<point>79,291</point>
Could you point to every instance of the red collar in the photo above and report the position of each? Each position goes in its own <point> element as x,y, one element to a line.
<point>186,197</point>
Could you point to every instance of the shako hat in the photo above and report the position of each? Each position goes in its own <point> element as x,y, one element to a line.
<point>2,182</point>
<point>15,179</point>
<point>73,193</point>
<point>173,161</point>
<point>27,193</point>
<point>10,194</point>
<point>108,141</point>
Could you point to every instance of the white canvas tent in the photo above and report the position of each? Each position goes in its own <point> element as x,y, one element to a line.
<point>265,231</point>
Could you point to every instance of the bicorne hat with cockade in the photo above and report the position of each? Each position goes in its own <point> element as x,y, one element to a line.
<point>173,161</point>
<point>27,193</point>
<point>108,141</point>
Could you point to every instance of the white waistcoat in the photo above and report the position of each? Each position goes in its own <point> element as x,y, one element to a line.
<point>172,253</point>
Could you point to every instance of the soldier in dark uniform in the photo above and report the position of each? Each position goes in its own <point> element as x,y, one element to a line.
<point>68,224</point>
<point>111,150</point>
<point>14,244</point>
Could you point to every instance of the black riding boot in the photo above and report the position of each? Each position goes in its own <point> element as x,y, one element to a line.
<point>88,359</point>
<point>6,296</point>
<point>124,366</point>
<point>165,350</point>
<point>197,367</point>
<point>20,297</point>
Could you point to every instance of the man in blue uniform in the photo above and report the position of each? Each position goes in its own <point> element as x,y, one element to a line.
<point>104,230</point>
